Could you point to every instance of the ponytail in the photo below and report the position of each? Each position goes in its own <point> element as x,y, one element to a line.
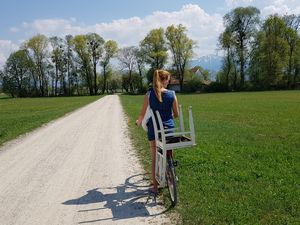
<point>157,85</point>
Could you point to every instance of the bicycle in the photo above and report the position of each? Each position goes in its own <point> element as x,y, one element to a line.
<point>167,140</point>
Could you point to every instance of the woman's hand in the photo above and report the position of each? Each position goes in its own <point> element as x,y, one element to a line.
<point>138,122</point>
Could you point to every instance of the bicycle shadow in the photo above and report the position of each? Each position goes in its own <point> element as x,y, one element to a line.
<point>131,199</point>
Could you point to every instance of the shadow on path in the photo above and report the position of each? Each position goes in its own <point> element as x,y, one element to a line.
<point>131,199</point>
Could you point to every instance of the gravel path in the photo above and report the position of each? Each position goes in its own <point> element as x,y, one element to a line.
<point>79,169</point>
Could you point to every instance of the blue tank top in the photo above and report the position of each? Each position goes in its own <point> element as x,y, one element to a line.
<point>164,108</point>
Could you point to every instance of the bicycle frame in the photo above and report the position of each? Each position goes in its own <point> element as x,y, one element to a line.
<point>182,139</point>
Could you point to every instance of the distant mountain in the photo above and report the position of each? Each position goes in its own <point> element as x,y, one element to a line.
<point>212,63</point>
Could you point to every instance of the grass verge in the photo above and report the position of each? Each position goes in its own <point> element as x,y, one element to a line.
<point>246,166</point>
<point>21,115</point>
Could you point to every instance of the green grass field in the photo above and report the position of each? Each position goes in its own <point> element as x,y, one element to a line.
<point>246,166</point>
<point>20,115</point>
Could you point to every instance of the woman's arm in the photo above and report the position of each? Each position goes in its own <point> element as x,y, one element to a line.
<point>143,111</point>
<point>175,108</point>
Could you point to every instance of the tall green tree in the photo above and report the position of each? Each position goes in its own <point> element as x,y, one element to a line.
<point>69,60</point>
<point>256,75</point>
<point>155,49</point>
<point>292,23</point>
<point>296,64</point>
<point>110,50</point>
<point>16,76</point>
<point>242,23</point>
<point>37,47</point>
<point>127,58</point>
<point>58,58</point>
<point>95,46</point>
<point>181,47</point>
<point>141,58</point>
<point>226,43</point>
<point>274,51</point>
<point>80,47</point>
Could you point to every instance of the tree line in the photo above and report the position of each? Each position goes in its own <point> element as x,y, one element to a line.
<point>258,55</point>
<point>81,64</point>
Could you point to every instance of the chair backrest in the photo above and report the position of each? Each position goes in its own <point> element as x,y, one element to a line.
<point>160,132</point>
<point>181,124</point>
<point>157,120</point>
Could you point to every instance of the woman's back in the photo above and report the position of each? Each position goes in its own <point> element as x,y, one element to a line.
<point>165,107</point>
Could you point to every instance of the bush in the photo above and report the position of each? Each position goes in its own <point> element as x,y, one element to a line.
<point>193,85</point>
<point>216,87</point>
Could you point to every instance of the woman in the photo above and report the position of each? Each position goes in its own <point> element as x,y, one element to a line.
<point>165,101</point>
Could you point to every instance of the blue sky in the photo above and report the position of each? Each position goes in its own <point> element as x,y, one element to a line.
<point>126,21</point>
<point>90,11</point>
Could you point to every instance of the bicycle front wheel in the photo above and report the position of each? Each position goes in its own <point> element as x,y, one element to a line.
<point>171,181</point>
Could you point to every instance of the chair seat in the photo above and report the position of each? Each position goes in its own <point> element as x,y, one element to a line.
<point>176,139</point>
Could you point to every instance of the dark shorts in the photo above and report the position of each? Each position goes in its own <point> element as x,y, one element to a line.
<point>150,133</point>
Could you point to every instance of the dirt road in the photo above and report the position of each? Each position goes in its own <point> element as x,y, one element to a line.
<point>79,169</point>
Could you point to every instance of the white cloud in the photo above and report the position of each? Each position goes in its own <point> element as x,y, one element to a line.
<point>267,7</point>
<point>202,27</point>
<point>51,27</point>
<point>235,3</point>
<point>281,7</point>
<point>6,47</point>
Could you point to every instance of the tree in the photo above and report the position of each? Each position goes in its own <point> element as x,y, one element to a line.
<point>37,48</point>
<point>1,80</point>
<point>59,59</point>
<point>292,23</point>
<point>296,64</point>
<point>256,75</point>
<point>274,53</point>
<point>226,43</point>
<point>114,80</point>
<point>140,62</point>
<point>181,47</point>
<point>80,47</point>
<point>69,58</point>
<point>17,81</point>
<point>242,23</point>
<point>95,47</point>
<point>110,50</point>
<point>127,58</point>
<point>154,48</point>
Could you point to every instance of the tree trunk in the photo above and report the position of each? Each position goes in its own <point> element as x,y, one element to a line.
<point>95,79</point>
<point>141,78</point>
<point>234,79</point>
<point>56,79</point>
<point>297,70</point>
<point>88,81</point>
<point>104,79</point>
<point>69,85</point>
<point>242,64</point>
<point>289,83</point>
<point>130,81</point>
<point>229,68</point>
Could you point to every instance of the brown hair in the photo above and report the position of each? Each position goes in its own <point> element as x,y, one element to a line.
<point>158,76</point>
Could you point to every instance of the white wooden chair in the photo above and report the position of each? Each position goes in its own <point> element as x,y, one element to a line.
<point>170,139</point>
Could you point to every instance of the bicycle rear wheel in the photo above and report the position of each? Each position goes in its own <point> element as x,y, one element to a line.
<point>171,181</point>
